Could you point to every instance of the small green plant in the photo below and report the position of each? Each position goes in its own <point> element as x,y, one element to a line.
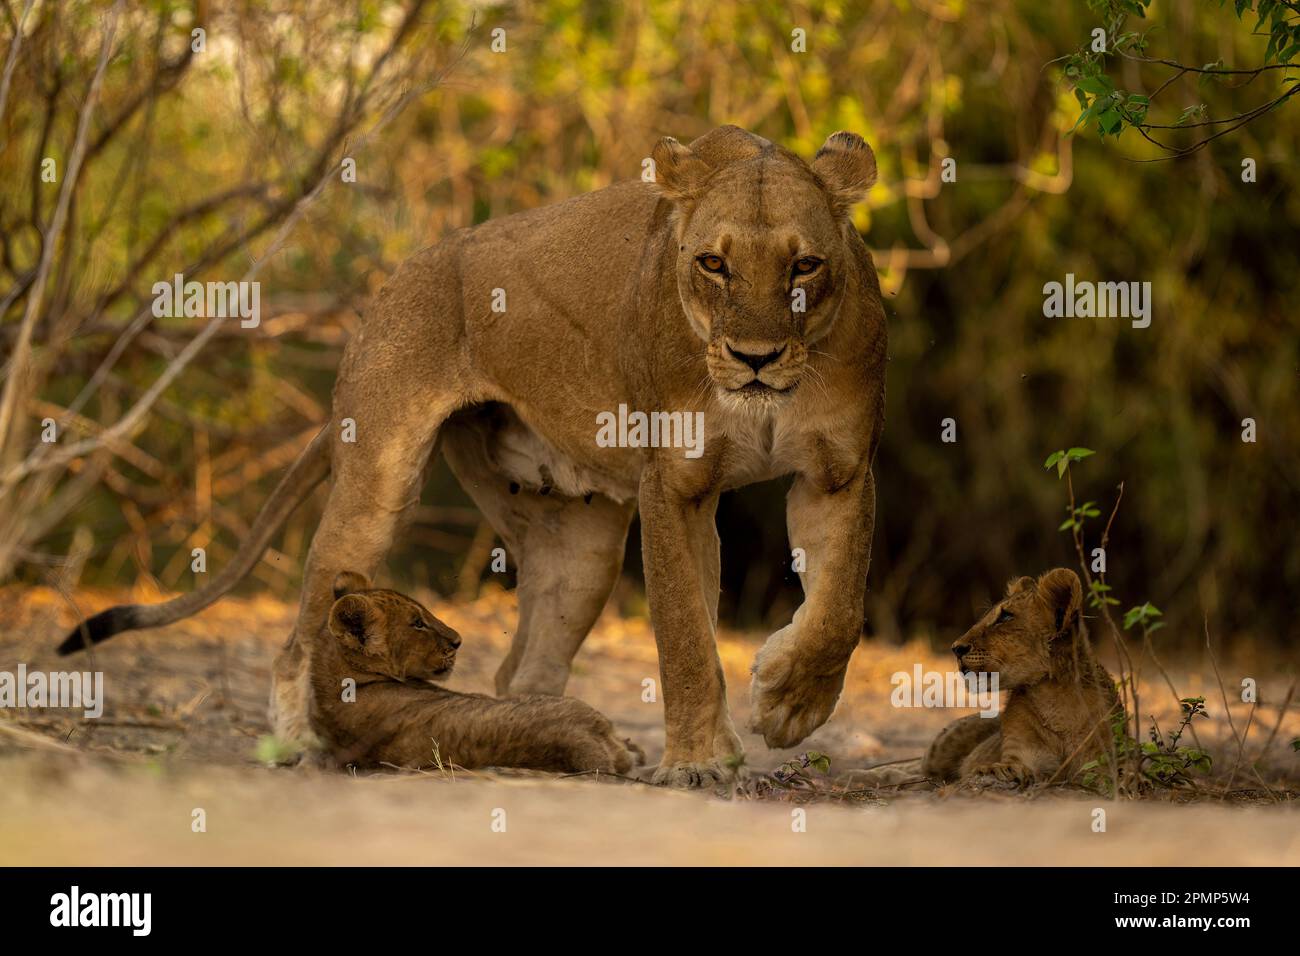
<point>1144,615</point>
<point>1160,761</point>
<point>1061,461</point>
<point>1099,594</point>
<point>1166,761</point>
<point>792,772</point>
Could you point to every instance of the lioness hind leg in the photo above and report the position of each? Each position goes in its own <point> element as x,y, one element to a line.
<point>376,479</point>
<point>568,552</point>
<point>943,761</point>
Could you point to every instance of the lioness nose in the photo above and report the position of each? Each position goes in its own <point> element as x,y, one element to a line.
<point>754,361</point>
<point>960,649</point>
<point>453,639</point>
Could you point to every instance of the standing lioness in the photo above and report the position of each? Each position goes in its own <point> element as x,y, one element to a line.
<point>736,287</point>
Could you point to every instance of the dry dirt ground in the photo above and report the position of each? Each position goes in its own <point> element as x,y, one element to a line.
<point>186,708</point>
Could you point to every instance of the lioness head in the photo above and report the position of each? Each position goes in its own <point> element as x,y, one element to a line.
<point>1023,632</point>
<point>383,632</point>
<point>763,251</point>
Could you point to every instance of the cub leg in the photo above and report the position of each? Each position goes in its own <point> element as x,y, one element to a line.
<point>943,761</point>
<point>569,552</point>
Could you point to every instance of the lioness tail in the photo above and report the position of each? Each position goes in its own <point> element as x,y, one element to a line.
<point>305,474</point>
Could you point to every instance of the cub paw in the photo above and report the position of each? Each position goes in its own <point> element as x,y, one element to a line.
<point>999,776</point>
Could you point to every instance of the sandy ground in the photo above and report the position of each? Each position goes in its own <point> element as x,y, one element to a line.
<point>186,708</point>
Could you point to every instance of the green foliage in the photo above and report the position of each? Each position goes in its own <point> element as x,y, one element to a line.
<point>1086,510</point>
<point>1144,615</point>
<point>1160,761</point>
<point>793,772</point>
<point>1064,458</point>
<point>1110,110</point>
<point>1099,594</point>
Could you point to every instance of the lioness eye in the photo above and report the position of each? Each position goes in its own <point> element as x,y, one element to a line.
<point>1004,617</point>
<point>712,264</point>
<point>806,266</point>
<point>419,624</point>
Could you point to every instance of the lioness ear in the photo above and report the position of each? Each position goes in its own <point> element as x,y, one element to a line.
<point>1061,589</point>
<point>348,582</point>
<point>847,168</point>
<point>679,173</point>
<point>350,619</point>
<point>1016,585</point>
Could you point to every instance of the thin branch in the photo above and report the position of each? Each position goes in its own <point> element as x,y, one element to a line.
<point>11,61</point>
<point>22,349</point>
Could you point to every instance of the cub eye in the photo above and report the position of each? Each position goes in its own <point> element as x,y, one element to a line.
<point>419,624</point>
<point>1004,617</point>
<point>807,265</point>
<point>712,264</point>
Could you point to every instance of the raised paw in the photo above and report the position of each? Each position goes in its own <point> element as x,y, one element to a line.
<point>790,700</point>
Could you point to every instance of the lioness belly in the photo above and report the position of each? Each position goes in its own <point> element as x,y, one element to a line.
<point>523,456</point>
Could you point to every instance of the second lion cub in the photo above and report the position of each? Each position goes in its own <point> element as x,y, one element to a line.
<point>1060,700</point>
<point>392,647</point>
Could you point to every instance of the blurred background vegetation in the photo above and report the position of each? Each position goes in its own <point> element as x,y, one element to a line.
<point>217,162</point>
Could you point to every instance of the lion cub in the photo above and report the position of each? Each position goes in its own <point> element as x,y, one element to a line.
<point>1059,701</point>
<point>393,648</point>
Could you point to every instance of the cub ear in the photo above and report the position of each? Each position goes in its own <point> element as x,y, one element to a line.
<point>348,582</point>
<point>1063,592</point>
<point>847,168</point>
<point>351,619</point>
<point>1016,585</point>
<point>679,173</point>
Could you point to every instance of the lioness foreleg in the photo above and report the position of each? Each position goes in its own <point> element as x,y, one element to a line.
<point>678,539</point>
<point>799,672</point>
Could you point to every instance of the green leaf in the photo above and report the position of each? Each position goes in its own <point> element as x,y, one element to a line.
<point>1078,454</point>
<point>819,761</point>
<point>1098,85</point>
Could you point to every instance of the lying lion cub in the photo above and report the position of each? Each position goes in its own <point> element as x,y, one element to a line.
<point>1059,700</point>
<point>393,648</point>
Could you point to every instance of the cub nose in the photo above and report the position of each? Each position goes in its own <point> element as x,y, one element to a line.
<point>960,649</point>
<point>454,640</point>
<point>754,360</point>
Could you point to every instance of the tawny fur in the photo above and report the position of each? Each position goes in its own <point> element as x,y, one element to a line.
<point>392,647</point>
<point>1059,700</point>
<point>606,303</point>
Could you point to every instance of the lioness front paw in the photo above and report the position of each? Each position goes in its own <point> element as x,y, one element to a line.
<point>694,776</point>
<point>789,700</point>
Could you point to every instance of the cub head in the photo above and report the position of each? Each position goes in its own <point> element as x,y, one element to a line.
<point>1033,625</point>
<point>764,248</point>
<point>383,632</point>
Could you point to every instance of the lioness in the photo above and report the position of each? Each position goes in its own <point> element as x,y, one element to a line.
<point>733,287</point>
<point>392,648</point>
<point>1059,701</point>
